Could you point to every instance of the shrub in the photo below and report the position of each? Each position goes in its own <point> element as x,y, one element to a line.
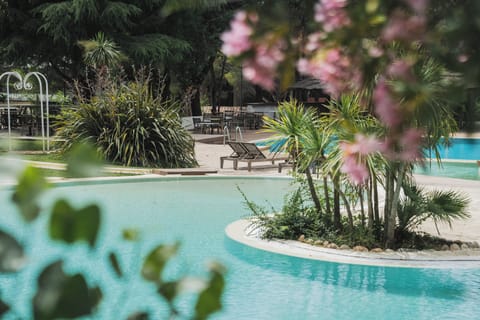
<point>128,125</point>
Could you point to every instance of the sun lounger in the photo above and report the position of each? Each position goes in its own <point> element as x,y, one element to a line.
<point>254,154</point>
<point>239,152</point>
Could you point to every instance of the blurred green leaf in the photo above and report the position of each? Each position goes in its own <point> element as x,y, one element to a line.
<point>139,316</point>
<point>69,224</point>
<point>169,290</point>
<point>62,296</point>
<point>372,5</point>
<point>209,300</point>
<point>3,307</point>
<point>130,234</point>
<point>30,185</point>
<point>83,161</point>
<point>112,257</point>
<point>156,260</point>
<point>11,253</point>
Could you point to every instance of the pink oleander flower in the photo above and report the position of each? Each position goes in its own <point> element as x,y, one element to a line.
<point>404,27</point>
<point>262,67</point>
<point>418,6</point>
<point>334,69</point>
<point>314,41</point>
<point>332,14</point>
<point>410,144</point>
<point>366,145</point>
<point>401,70</point>
<point>357,172</point>
<point>386,107</point>
<point>237,40</point>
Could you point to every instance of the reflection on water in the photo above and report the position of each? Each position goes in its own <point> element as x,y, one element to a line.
<point>435,283</point>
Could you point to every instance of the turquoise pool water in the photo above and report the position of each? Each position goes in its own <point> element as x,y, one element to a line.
<point>459,170</point>
<point>461,149</point>
<point>260,285</point>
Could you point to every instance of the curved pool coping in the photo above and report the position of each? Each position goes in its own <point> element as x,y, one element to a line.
<point>239,231</point>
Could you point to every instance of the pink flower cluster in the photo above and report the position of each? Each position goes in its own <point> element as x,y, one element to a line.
<point>332,14</point>
<point>260,68</point>
<point>405,147</point>
<point>387,108</point>
<point>237,40</point>
<point>404,27</point>
<point>334,69</point>
<point>353,154</point>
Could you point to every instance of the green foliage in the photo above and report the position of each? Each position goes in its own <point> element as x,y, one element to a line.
<point>30,185</point>
<point>209,301</point>
<point>296,218</point>
<point>155,262</point>
<point>11,253</point>
<point>420,205</point>
<point>101,52</point>
<point>71,225</point>
<point>128,125</point>
<point>62,295</point>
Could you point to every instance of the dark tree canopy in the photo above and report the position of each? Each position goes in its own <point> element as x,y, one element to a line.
<point>163,34</point>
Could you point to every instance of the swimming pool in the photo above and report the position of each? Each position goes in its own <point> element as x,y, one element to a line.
<point>460,149</point>
<point>260,285</point>
<point>459,170</point>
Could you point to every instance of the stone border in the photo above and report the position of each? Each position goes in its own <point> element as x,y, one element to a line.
<point>239,231</point>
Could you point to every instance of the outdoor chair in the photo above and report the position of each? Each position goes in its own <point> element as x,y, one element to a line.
<point>239,152</point>
<point>254,154</point>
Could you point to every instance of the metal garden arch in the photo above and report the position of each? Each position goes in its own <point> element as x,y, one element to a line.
<point>44,116</point>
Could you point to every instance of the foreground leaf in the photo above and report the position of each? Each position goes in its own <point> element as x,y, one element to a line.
<point>4,308</point>
<point>63,296</point>
<point>209,300</point>
<point>69,224</point>
<point>112,257</point>
<point>156,260</point>
<point>11,253</point>
<point>83,161</point>
<point>30,185</point>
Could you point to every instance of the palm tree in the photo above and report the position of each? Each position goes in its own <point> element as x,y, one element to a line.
<point>296,125</point>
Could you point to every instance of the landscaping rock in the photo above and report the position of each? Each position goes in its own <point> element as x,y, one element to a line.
<point>301,238</point>
<point>454,247</point>
<point>406,250</point>
<point>445,247</point>
<point>309,241</point>
<point>344,247</point>
<point>465,246</point>
<point>360,249</point>
<point>475,245</point>
<point>318,243</point>
<point>376,250</point>
<point>389,250</point>
<point>325,243</point>
<point>332,246</point>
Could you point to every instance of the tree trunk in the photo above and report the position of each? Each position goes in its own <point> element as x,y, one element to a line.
<point>327,198</point>
<point>392,219</point>
<point>213,89</point>
<point>362,206</point>
<point>337,223</point>
<point>313,192</point>
<point>195,103</point>
<point>376,209</point>
<point>370,204</point>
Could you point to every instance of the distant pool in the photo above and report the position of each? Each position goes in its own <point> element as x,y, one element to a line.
<point>260,285</point>
<point>459,170</point>
<point>460,149</point>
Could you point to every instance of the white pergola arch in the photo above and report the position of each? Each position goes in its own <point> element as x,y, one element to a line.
<point>23,82</point>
